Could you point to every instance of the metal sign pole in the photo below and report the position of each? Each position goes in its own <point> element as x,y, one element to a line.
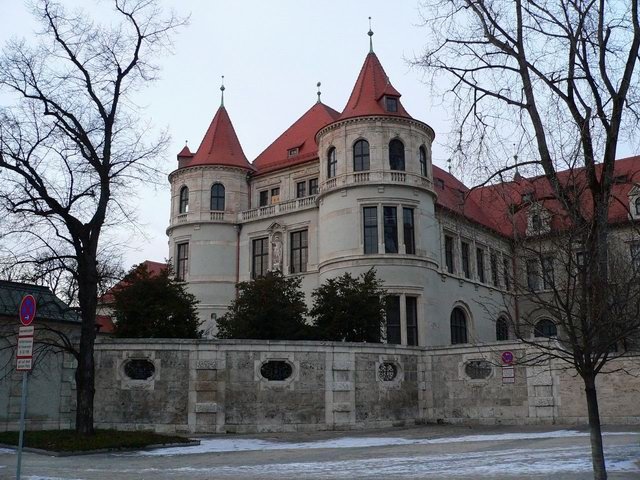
<point>23,409</point>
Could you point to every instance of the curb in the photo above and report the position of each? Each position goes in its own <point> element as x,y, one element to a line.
<point>52,453</point>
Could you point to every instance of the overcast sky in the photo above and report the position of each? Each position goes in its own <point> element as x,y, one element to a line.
<point>272,54</point>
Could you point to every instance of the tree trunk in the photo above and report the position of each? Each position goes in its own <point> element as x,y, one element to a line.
<point>595,432</point>
<point>85,371</point>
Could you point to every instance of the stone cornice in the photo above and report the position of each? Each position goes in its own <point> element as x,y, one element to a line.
<point>372,118</point>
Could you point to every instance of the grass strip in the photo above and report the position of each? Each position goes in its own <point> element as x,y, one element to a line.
<point>70,441</point>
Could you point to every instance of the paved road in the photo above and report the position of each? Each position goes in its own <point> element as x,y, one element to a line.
<point>429,452</point>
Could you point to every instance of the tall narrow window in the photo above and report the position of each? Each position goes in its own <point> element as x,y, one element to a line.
<point>464,254</point>
<point>422,156</point>
<point>331,163</point>
<point>409,231</point>
<point>184,200</point>
<point>493,263</point>
<point>634,248</point>
<point>393,319</point>
<point>412,320</point>
<point>217,197</point>
<point>448,253</point>
<point>506,273</point>
<point>547,273</point>
<point>502,329</point>
<point>458,326</point>
<point>480,264</point>
<point>313,186</point>
<point>275,195</point>
<point>260,257</point>
<point>182,262</point>
<point>264,198</point>
<point>396,155</point>
<point>370,216</point>
<point>301,189</point>
<point>299,251</point>
<point>533,276</point>
<point>390,229</point>
<point>360,156</point>
<point>637,202</point>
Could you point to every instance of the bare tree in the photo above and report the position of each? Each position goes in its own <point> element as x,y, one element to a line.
<point>72,145</point>
<point>559,79</point>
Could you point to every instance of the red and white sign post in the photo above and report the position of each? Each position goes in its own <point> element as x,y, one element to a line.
<point>24,361</point>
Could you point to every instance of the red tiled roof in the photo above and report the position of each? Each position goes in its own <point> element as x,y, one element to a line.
<point>185,153</point>
<point>220,146</point>
<point>367,97</point>
<point>506,211</point>
<point>105,323</point>
<point>300,135</point>
<point>154,268</point>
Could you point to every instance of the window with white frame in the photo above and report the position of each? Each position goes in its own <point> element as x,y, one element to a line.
<point>299,251</point>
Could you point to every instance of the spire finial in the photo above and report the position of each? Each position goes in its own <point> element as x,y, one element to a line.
<point>319,93</point>
<point>222,92</point>
<point>370,33</point>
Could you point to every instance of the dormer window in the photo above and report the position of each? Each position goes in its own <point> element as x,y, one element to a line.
<point>637,205</point>
<point>292,152</point>
<point>391,104</point>
<point>536,222</point>
<point>439,183</point>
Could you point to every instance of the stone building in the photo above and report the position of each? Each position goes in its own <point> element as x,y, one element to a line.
<point>345,191</point>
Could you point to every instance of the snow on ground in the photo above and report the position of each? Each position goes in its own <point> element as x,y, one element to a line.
<point>217,445</point>
<point>6,450</point>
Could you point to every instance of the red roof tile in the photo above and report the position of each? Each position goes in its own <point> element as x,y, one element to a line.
<point>300,135</point>
<point>154,268</point>
<point>220,146</point>
<point>367,97</point>
<point>105,323</point>
<point>185,152</point>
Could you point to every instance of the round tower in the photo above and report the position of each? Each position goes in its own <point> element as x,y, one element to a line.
<point>376,201</point>
<point>208,191</point>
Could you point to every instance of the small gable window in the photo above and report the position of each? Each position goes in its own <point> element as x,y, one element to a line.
<point>396,155</point>
<point>292,152</point>
<point>184,200</point>
<point>637,205</point>
<point>331,163</point>
<point>422,156</point>
<point>360,156</point>
<point>391,104</point>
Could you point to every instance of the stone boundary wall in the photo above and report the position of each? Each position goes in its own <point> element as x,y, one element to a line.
<point>217,387</point>
<point>209,386</point>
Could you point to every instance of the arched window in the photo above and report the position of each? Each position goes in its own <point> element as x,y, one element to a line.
<point>396,155</point>
<point>638,206</point>
<point>545,328</point>
<point>331,163</point>
<point>184,200</point>
<point>502,329</point>
<point>360,156</point>
<point>217,197</point>
<point>458,326</point>
<point>422,156</point>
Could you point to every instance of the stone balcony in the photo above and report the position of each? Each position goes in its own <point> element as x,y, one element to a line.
<point>376,177</point>
<point>278,208</point>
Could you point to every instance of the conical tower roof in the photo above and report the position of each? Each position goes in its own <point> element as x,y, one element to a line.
<point>220,145</point>
<point>370,90</point>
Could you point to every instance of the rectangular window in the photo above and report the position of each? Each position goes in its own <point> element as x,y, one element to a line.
<point>464,254</point>
<point>493,263</point>
<point>370,216</point>
<point>480,264</point>
<point>182,262</point>
<point>299,251</point>
<point>260,257</point>
<point>313,186</point>
<point>275,195</point>
<point>547,273</point>
<point>448,253</point>
<point>580,257</point>
<point>301,189</point>
<point>634,248</point>
<point>393,319</point>
<point>533,276</point>
<point>264,198</point>
<point>390,229</point>
<point>392,104</point>
<point>505,273</point>
<point>409,231</point>
<point>412,320</point>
